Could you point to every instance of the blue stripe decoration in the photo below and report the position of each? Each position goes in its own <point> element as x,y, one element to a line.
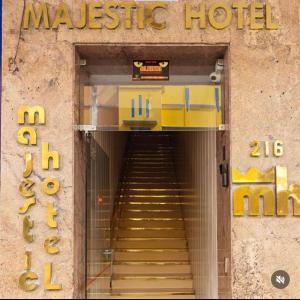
<point>217,99</point>
<point>187,98</point>
<point>147,108</point>
<point>132,108</point>
<point>140,105</point>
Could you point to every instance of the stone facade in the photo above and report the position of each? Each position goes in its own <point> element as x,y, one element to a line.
<point>39,69</point>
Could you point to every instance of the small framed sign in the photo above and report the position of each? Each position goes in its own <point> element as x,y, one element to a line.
<point>150,70</point>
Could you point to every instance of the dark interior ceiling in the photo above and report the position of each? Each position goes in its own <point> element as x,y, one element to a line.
<point>113,59</point>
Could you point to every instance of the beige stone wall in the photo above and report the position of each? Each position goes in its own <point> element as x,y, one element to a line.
<point>38,68</point>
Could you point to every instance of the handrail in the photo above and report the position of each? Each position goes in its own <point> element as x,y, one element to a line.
<point>97,276</point>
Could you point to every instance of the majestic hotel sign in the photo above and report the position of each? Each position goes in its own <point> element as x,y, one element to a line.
<point>112,14</point>
<point>50,186</point>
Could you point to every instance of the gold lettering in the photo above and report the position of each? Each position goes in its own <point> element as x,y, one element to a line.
<point>150,11</point>
<point>31,140</point>
<point>254,195</point>
<point>253,175</point>
<point>28,287</point>
<point>240,6</point>
<point>111,14</point>
<point>28,165</point>
<point>83,16</point>
<point>190,15</point>
<point>62,16</point>
<point>128,6</point>
<point>50,186</point>
<point>256,15</point>
<point>46,156</point>
<point>278,148</point>
<point>49,245</point>
<point>25,188</point>
<point>31,112</point>
<point>28,259</point>
<point>94,14</point>
<point>28,203</point>
<point>48,279</point>
<point>211,16</point>
<point>285,192</point>
<point>51,214</point>
<point>141,16</point>
<point>27,226</point>
<point>269,22</point>
<point>42,14</point>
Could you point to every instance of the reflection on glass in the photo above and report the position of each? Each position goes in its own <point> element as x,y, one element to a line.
<point>152,107</point>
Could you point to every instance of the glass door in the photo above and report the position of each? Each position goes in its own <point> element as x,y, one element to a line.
<point>99,254</point>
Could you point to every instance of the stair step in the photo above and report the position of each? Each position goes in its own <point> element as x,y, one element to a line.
<point>152,243</point>
<point>143,233</point>
<point>150,152</point>
<point>149,173</point>
<point>151,167</point>
<point>152,201</point>
<point>97,282</point>
<point>149,282</point>
<point>158,268</point>
<point>145,185</point>
<point>130,223</point>
<point>145,150</point>
<point>150,206</point>
<point>149,155</point>
<point>166,166</point>
<point>152,197</point>
<point>150,191</point>
<point>158,214</point>
<point>149,160</point>
<point>145,294</point>
<point>151,255</point>
<point>148,179</point>
<point>134,157</point>
<point>149,147</point>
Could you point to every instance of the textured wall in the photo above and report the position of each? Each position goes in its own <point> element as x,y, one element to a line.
<point>38,68</point>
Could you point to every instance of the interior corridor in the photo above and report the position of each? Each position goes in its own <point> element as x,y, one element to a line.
<point>151,255</point>
<point>151,239</point>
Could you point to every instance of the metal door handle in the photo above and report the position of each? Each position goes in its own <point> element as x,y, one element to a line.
<point>224,170</point>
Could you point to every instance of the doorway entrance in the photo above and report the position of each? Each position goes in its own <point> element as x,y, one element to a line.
<point>157,201</point>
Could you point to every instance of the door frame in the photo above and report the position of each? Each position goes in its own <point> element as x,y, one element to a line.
<point>223,193</point>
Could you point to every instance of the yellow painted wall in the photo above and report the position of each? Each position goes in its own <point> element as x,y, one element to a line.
<point>170,106</point>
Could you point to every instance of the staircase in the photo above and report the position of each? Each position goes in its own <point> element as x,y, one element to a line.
<point>151,259</point>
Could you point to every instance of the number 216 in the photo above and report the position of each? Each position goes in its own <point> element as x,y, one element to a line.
<point>264,146</point>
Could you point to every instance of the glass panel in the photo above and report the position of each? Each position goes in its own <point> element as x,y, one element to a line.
<point>152,107</point>
<point>98,221</point>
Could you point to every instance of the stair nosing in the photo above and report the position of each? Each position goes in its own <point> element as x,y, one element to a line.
<point>155,263</point>
<point>150,238</point>
<point>150,250</point>
<point>152,277</point>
